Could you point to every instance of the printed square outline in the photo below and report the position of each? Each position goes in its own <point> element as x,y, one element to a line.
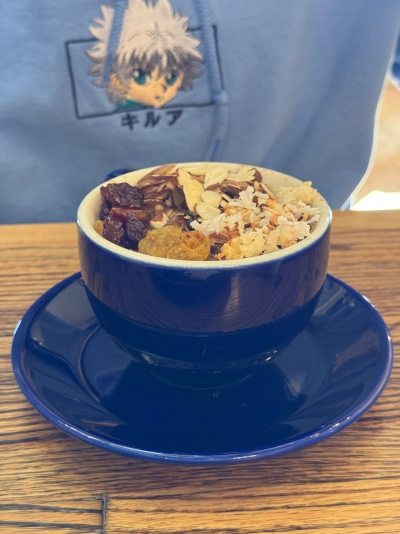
<point>119,111</point>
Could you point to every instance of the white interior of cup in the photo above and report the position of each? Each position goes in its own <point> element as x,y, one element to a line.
<point>89,209</point>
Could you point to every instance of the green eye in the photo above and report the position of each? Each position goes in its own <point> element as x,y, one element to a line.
<point>171,78</point>
<point>140,76</point>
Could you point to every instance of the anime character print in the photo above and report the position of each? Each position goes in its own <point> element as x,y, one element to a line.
<point>155,56</point>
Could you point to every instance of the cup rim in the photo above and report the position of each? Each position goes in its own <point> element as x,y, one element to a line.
<point>85,226</point>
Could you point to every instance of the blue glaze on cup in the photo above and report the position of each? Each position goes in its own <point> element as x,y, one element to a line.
<point>190,316</point>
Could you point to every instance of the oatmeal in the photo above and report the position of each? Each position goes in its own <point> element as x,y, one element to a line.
<point>206,212</point>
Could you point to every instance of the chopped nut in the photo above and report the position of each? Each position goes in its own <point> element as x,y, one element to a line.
<point>244,174</point>
<point>164,169</point>
<point>159,220</point>
<point>215,176</point>
<point>150,180</point>
<point>234,208</point>
<point>233,188</point>
<point>241,178</point>
<point>198,171</point>
<point>157,196</point>
<point>205,211</point>
<point>161,186</point>
<point>226,197</point>
<point>212,198</point>
<point>171,185</point>
<point>192,190</point>
<point>183,176</point>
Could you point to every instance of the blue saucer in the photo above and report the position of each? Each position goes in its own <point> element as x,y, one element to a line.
<point>326,379</point>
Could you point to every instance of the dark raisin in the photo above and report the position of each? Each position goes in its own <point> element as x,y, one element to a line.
<point>122,195</point>
<point>113,230</point>
<point>123,214</point>
<point>105,210</point>
<point>135,231</point>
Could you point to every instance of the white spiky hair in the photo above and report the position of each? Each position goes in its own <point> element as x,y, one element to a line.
<point>148,29</point>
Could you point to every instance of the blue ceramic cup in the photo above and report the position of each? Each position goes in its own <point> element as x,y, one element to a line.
<point>202,322</point>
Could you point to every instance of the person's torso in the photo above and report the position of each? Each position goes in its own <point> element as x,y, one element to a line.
<point>282,84</point>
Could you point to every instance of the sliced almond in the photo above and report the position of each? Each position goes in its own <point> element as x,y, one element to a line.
<point>245,169</point>
<point>192,190</point>
<point>164,169</point>
<point>205,211</point>
<point>198,171</point>
<point>171,185</point>
<point>161,186</point>
<point>233,188</point>
<point>149,189</point>
<point>212,198</point>
<point>150,181</point>
<point>215,176</point>
<point>244,177</point>
<point>224,203</point>
<point>225,196</point>
<point>183,176</point>
<point>159,220</point>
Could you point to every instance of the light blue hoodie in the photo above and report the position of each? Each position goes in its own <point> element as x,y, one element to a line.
<point>291,85</point>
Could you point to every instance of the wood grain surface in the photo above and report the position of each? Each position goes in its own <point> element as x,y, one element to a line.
<point>52,482</point>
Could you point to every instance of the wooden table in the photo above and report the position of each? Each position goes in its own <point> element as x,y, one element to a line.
<point>51,482</point>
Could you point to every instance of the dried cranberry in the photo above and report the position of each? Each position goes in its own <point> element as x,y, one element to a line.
<point>122,195</point>
<point>135,230</point>
<point>113,230</point>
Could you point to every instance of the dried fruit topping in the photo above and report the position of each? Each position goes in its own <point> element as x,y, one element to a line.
<point>171,242</point>
<point>127,214</point>
<point>135,231</point>
<point>99,227</point>
<point>105,210</point>
<point>122,195</point>
<point>113,230</point>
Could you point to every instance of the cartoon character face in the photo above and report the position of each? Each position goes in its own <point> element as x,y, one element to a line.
<point>155,58</point>
<point>150,88</point>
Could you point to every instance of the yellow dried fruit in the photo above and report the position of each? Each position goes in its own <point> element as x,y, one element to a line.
<point>98,226</point>
<point>171,242</point>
